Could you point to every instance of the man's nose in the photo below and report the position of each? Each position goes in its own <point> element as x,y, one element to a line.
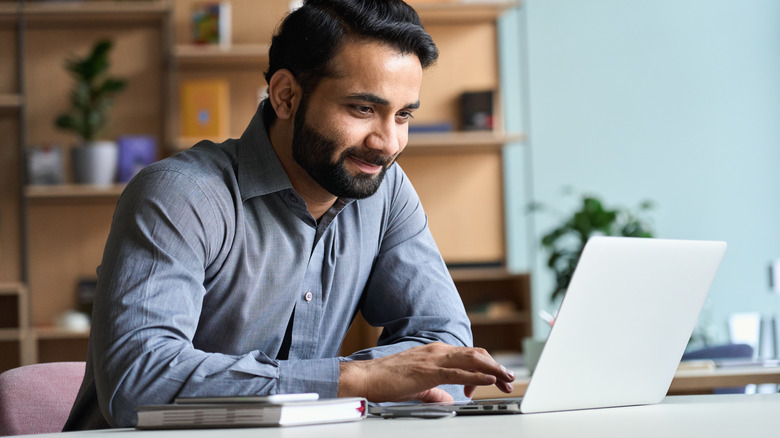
<point>384,138</point>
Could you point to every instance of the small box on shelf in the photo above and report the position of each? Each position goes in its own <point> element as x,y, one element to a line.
<point>476,110</point>
<point>45,164</point>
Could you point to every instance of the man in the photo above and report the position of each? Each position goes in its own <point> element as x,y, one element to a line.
<point>237,268</point>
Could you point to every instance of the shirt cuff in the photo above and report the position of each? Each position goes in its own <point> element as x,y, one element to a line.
<point>310,375</point>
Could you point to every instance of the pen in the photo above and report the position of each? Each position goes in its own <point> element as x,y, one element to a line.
<point>417,413</point>
<point>547,317</point>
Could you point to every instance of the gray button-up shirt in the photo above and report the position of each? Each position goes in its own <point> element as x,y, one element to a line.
<point>212,254</point>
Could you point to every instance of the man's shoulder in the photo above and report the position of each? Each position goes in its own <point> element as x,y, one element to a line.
<point>206,167</point>
<point>203,160</point>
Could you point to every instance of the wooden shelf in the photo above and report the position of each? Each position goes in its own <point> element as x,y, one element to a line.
<point>456,12</point>
<point>11,288</point>
<point>192,54</point>
<point>480,319</point>
<point>127,12</point>
<point>72,191</point>
<point>469,140</point>
<point>11,335</point>
<point>9,11</point>
<point>10,101</point>
<point>44,333</point>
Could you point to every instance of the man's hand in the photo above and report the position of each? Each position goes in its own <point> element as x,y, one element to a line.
<point>414,374</point>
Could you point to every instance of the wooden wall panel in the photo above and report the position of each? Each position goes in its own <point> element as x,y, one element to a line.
<point>66,243</point>
<point>467,62</point>
<point>462,193</point>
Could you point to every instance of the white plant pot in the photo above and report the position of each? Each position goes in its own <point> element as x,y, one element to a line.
<point>95,162</point>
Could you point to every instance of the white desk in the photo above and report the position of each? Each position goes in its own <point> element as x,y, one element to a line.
<point>709,416</point>
<point>686,381</point>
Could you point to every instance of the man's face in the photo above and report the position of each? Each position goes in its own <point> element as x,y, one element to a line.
<point>352,127</point>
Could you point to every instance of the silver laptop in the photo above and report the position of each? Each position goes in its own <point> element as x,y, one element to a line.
<point>622,327</point>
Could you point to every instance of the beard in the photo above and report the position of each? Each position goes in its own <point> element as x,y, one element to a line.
<point>316,154</point>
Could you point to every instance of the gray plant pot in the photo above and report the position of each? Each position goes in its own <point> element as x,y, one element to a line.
<point>95,163</point>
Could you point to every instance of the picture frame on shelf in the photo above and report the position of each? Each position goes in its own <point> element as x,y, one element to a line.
<point>45,165</point>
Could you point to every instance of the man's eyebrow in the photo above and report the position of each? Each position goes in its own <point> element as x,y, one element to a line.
<point>373,98</point>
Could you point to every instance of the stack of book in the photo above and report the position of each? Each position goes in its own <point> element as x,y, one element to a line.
<point>252,411</point>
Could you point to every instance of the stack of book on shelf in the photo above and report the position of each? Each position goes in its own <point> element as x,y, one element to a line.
<point>250,411</point>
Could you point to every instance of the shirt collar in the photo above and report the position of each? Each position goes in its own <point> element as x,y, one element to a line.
<point>259,170</point>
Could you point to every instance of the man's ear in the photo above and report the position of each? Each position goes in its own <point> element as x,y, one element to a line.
<point>284,94</point>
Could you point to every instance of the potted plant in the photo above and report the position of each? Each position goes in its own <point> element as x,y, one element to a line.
<point>564,244</point>
<point>94,161</point>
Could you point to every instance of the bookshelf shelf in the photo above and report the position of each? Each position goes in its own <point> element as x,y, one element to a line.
<point>11,289</point>
<point>10,101</point>
<point>449,142</point>
<point>451,12</point>
<point>45,333</point>
<point>515,318</point>
<point>188,54</point>
<point>72,191</point>
<point>11,335</point>
<point>69,12</point>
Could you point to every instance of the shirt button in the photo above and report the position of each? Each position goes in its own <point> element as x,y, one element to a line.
<point>293,198</point>
<point>308,296</point>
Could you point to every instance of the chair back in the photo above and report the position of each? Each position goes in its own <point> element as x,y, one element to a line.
<point>37,398</point>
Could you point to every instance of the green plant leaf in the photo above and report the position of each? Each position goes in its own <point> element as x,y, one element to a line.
<point>91,97</point>
<point>564,244</point>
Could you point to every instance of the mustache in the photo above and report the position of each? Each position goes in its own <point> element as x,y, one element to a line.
<point>369,157</point>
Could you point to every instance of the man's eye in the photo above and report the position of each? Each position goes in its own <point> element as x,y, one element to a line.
<point>405,115</point>
<point>363,109</point>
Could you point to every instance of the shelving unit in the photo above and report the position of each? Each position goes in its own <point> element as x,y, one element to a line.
<point>10,101</point>
<point>71,191</point>
<point>58,235</point>
<point>14,297</point>
<point>242,54</point>
<point>485,289</point>
<point>14,313</point>
<point>62,229</point>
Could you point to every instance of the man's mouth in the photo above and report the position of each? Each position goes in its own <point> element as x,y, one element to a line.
<point>365,166</point>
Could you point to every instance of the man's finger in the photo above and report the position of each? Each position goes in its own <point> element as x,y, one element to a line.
<point>434,395</point>
<point>477,360</point>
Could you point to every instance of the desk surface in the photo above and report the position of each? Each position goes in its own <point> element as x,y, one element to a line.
<point>711,416</point>
<point>685,380</point>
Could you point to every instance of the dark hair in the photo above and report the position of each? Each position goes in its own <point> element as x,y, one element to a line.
<point>309,37</point>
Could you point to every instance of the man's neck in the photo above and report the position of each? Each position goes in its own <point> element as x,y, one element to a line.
<point>318,200</point>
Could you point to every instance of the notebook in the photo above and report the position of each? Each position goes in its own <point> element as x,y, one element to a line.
<point>622,327</point>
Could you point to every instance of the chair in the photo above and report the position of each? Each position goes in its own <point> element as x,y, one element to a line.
<point>726,351</point>
<point>37,398</point>
<point>720,352</point>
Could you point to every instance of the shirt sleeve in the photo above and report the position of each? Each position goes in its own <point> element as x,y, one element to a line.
<point>411,293</point>
<point>146,312</point>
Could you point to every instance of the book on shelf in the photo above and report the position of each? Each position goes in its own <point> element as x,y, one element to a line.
<point>211,23</point>
<point>135,153</point>
<point>248,414</point>
<point>204,108</point>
